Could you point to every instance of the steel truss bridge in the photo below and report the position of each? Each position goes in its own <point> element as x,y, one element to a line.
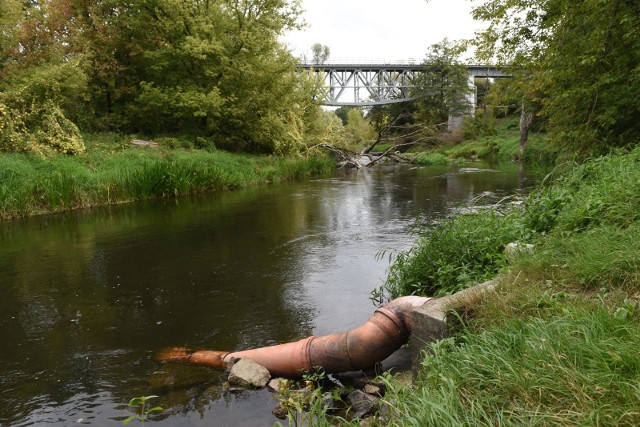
<point>351,84</point>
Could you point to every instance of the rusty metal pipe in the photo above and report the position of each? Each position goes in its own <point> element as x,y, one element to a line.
<point>384,332</point>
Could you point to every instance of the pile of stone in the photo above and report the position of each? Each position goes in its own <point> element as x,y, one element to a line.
<point>349,396</point>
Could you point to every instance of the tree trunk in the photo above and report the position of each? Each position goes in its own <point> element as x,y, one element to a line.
<point>525,123</point>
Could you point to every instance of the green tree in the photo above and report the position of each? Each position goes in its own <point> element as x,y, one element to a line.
<point>358,127</point>
<point>443,86</point>
<point>42,84</point>
<point>215,68</point>
<point>578,59</point>
<point>160,67</point>
<point>10,16</point>
<point>342,112</point>
<point>319,53</point>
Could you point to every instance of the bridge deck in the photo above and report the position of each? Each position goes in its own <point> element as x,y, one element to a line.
<point>474,70</point>
<point>381,83</point>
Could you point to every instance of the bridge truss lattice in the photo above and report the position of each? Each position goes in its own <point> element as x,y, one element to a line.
<point>376,84</point>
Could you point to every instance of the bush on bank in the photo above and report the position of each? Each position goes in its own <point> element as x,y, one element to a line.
<point>459,252</point>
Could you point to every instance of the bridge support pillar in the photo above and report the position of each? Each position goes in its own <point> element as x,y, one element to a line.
<point>455,122</point>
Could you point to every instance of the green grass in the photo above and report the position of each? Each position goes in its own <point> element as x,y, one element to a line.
<point>576,366</point>
<point>557,343</point>
<point>430,159</point>
<point>604,257</point>
<point>503,144</point>
<point>604,191</point>
<point>457,253</point>
<point>112,171</point>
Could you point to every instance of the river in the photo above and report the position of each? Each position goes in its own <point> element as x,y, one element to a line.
<point>88,297</point>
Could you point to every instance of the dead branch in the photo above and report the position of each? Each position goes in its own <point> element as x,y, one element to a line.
<point>346,156</point>
<point>392,150</point>
<point>386,130</point>
<point>415,130</point>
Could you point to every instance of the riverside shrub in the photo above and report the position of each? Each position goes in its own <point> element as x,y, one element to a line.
<point>459,252</point>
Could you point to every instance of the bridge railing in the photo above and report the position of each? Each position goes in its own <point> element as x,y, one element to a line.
<point>362,61</point>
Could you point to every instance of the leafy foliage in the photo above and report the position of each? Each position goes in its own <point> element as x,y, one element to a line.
<point>358,127</point>
<point>461,251</point>
<point>579,60</point>
<point>209,69</point>
<point>443,86</point>
<point>38,128</point>
<point>140,403</point>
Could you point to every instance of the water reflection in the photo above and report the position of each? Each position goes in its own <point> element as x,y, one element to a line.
<point>88,297</point>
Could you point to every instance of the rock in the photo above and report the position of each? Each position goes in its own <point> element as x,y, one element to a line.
<point>513,249</point>
<point>280,412</point>
<point>247,373</point>
<point>275,385</point>
<point>143,143</point>
<point>371,389</point>
<point>356,379</point>
<point>362,403</point>
<point>327,402</point>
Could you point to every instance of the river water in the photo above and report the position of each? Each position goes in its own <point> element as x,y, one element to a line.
<point>87,298</point>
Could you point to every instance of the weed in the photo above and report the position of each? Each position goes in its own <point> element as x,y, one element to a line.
<point>305,405</point>
<point>140,404</point>
<point>459,252</point>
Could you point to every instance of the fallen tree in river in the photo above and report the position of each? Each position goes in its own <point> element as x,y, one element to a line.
<point>409,136</point>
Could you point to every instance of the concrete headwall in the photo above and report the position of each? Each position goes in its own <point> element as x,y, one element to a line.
<point>430,320</point>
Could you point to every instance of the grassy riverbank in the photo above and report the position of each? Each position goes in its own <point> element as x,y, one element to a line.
<point>557,344</point>
<point>113,171</point>
<point>502,144</point>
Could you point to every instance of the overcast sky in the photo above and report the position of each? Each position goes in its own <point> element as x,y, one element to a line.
<point>381,29</point>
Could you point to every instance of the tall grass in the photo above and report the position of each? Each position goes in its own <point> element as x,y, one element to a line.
<point>603,257</point>
<point>584,222</point>
<point>504,144</point>
<point>603,191</point>
<point>459,252</point>
<point>32,185</point>
<point>578,367</point>
<point>558,343</point>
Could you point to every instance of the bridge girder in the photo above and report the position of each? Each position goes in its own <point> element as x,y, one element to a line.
<point>376,84</point>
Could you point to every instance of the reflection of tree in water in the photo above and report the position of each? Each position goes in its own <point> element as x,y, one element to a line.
<point>103,292</point>
<point>91,296</point>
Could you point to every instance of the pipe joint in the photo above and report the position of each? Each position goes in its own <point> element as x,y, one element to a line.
<point>384,332</point>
